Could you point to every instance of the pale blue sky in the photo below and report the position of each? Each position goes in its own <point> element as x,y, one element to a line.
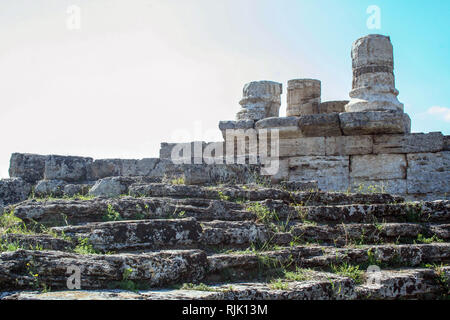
<point>140,72</point>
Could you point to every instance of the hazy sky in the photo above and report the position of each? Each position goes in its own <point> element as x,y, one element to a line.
<point>140,72</point>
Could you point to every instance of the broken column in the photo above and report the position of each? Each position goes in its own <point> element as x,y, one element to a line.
<point>303,97</point>
<point>373,87</point>
<point>261,99</point>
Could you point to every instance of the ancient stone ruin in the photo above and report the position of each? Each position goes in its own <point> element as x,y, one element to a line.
<point>357,207</point>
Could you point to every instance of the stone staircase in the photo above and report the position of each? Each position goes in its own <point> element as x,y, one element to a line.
<point>174,241</point>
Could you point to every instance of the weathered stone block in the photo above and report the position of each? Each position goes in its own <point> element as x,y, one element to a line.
<point>409,143</point>
<point>71,190</point>
<point>428,172</point>
<point>372,122</point>
<point>378,166</point>
<point>446,143</point>
<point>330,172</point>
<point>320,125</point>
<point>287,126</point>
<point>53,188</point>
<point>103,168</point>
<point>13,191</point>
<point>348,145</point>
<point>109,187</point>
<point>70,169</point>
<point>312,146</point>
<point>332,106</point>
<point>29,167</point>
<point>392,186</point>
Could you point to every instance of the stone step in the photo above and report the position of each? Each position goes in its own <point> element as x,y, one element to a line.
<point>73,212</point>
<point>28,269</point>
<point>429,283</point>
<point>257,193</point>
<point>249,265</point>
<point>422,283</point>
<point>187,233</point>
<point>369,233</point>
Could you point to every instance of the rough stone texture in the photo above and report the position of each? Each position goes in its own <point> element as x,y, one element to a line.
<point>343,234</point>
<point>103,168</point>
<point>53,188</point>
<point>13,191</point>
<point>287,126</point>
<point>110,187</point>
<point>428,172</point>
<point>71,190</point>
<point>313,146</point>
<point>134,235</point>
<point>303,97</point>
<point>348,145</point>
<point>299,185</point>
<point>372,122</point>
<point>333,106</point>
<point>446,143</point>
<point>331,173</point>
<point>37,241</point>
<point>230,125</point>
<point>29,167</point>
<point>378,167</point>
<point>261,99</point>
<point>234,233</point>
<point>391,186</point>
<point>408,143</point>
<point>405,284</point>
<point>70,169</point>
<point>100,271</point>
<point>373,85</point>
<point>320,125</point>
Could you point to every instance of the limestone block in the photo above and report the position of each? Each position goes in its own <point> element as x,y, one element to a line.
<point>408,143</point>
<point>261,99</point>
<point>53,188</point>
<point>333,106</point>
<point>103,168</point>
<point>392,186</point>
<point>67,168</point>
<point>407,123</point>
<point>372,122</point>
<point>71,190</point>
<point>378,166</point>
<point>348,145</point>
<point>303,97</point>
<point>312,146</point>
<point>446,143</point>
<point>320,125</point>
<point>13,190</point>
<point>428,172</point>
<point>287,126</point>
<point>29,167</point>
<point>330,172</point>
<point>373,85</point>
<point>232,125</point>
<point>110,187</point>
